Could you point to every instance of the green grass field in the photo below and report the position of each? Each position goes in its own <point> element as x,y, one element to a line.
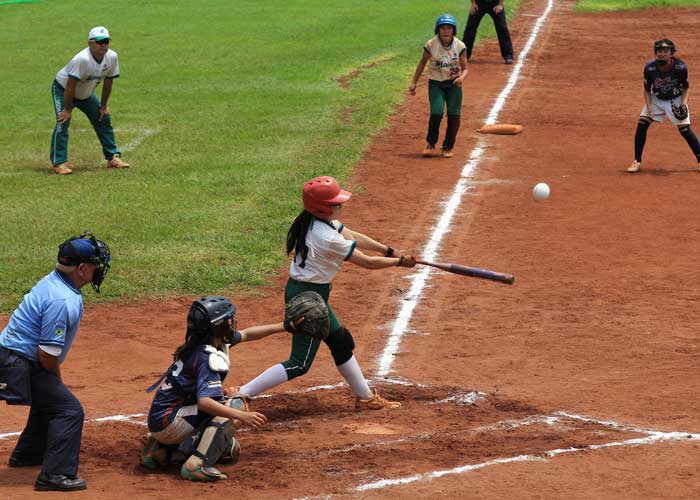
<point>223,109</point>
<point>610,5</point>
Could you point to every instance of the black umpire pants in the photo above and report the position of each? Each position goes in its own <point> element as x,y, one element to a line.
<point>499,21</point>
<point>54,428</point>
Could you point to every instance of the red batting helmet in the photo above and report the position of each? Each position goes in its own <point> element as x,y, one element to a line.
<point>321,193</point>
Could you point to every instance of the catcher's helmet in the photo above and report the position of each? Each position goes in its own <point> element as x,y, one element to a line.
<point>321,193</point>
<point>86,249</point>
<point>209,312</point>
<point>664,43</point>
<point>445,19</point>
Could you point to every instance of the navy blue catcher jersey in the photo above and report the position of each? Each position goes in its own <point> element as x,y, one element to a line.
<point>186,381</point>
<point>666,84</point>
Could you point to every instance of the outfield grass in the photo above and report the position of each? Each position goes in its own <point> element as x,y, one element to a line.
<point>223,108</point>
<point>610,5</point>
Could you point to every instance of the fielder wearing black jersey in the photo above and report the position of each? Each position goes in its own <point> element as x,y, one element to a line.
<point>665,90</point>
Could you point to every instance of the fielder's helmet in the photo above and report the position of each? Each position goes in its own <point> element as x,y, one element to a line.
<point>664,43</point>
<point>321,193</point>
<point>86,249</point>
<point>445,19</point>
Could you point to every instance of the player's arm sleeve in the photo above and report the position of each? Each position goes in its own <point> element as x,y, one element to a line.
<point>77,69</point>
<point>115,69</point>
<point>684,78</point>
<point>54,326</point>
<point>339,246</point>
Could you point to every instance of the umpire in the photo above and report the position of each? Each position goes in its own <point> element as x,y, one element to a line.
<point>497,11</point>
<point>32,346</point>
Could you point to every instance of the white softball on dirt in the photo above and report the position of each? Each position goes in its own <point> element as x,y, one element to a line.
<point>540,191</point>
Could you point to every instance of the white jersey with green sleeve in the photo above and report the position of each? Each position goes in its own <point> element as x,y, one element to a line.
<point>89,73</point>
<point>328,249</point>
<point>444,61</point>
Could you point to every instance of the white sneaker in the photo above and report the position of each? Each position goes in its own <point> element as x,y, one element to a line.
<point>634,167</point>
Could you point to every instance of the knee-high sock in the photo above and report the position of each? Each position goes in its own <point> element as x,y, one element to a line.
<point>352,373</point>
<point>433,129</point>
<point>453,123</point>
<point>272,377</point>
<point>640,138</point>
<point>692,141</point>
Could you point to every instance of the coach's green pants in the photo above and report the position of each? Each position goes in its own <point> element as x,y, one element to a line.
<point>304,349</point>
<point>443,94</point>
<point>91,108</point>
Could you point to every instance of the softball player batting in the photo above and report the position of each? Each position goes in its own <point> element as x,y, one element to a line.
<point>321,244</point>
<point>665,95</point>
<point>447,71</point>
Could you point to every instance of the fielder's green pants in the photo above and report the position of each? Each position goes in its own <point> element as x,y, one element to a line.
<point>304,349</point>
<point>443,94</point>
<point>91,108</point>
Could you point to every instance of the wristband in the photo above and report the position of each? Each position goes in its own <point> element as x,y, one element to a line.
<point>389,251</point>
<point>400,261</point>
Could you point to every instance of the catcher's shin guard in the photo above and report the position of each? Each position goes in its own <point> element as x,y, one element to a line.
<point>216,440</point>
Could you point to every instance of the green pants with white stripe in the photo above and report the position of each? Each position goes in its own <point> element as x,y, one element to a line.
<point>304,349</point>
<point>91,108</point>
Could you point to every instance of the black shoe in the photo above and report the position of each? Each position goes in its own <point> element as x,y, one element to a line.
<point>23,462</point>
<point>508,60</point>
<point>59,482</point>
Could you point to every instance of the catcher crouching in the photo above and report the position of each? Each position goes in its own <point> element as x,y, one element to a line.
<point>193,419</point>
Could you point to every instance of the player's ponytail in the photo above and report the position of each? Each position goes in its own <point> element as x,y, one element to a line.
<point>296,236</point>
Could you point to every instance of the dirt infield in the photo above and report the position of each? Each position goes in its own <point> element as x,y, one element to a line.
<point>580,381</point>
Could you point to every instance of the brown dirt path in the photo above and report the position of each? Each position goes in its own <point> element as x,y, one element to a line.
<point>600,322</point>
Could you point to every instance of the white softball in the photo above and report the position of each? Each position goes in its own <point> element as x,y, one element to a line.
<point>540,191</point>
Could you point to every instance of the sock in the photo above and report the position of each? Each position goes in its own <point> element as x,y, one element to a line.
<point>352,373</point>
<point>692,141</point>
<point>272,377</point>
<point>453,123</point>
<point>433,129</point>
<point>640,138</point>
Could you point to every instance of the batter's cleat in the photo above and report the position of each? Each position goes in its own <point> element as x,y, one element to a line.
<point>202,474</point>
<point>376,402</point>
<point>508,60</point>
<point>447,153</point>
<point>148,459</point>
<point>117,162</point>
<point>429,151</point>
<point>62,169</point>
<point>59,482</point>
<point>634,167</point>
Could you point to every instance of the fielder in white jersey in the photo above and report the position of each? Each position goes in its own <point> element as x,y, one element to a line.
<point>74,86</point>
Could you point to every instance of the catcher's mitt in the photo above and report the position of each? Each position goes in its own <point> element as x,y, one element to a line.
<point>680,112</point>
<point>307,314</point>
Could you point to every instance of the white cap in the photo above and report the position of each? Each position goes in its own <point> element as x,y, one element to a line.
<point>98,33</point>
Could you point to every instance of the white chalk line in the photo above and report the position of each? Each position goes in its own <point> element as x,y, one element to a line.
<point>464,184</point>
<point>430,253</point>
<point>651,437</point>
<point>141,135</point>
